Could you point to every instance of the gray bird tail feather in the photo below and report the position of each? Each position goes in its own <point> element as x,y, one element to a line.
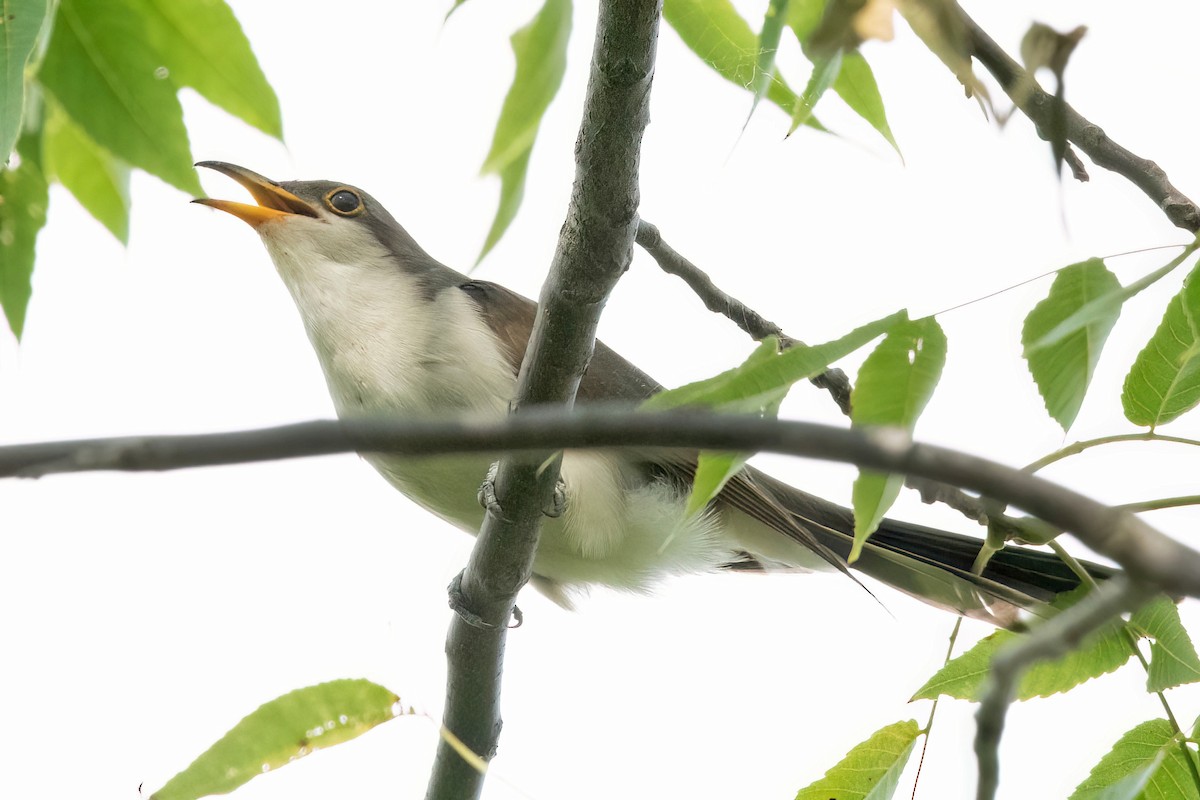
<point>936,566</point>
<point>933,565</point>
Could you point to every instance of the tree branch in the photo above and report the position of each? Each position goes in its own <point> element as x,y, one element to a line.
<point>1147,554</point>
<point>834,380</point>
<point>594,249</point>
<point>670,261</point>
<point>1056,637</point>
<point>1084,134</point>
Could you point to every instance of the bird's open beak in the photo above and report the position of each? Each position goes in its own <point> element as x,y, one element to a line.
<point>274,202</point>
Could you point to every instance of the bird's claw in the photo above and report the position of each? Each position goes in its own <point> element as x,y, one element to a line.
<point>487,495</point>
<point>458,604</point>
<point>487,490</point>
<point>558,502</point>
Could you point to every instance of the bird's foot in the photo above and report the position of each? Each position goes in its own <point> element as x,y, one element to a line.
<point>487,491</point>
<point>458,604</point>
<point>558,501</point>
<point>487,494</point>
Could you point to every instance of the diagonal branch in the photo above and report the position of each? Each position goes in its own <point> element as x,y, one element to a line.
<point>758,327</point>
<point>1147,554</point>
<point>594,249</point>
<point>1084,134</point>
<point>834,381</point>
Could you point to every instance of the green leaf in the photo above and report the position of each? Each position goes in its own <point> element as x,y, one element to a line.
<point>897,379</point>
<point>757,386</point>
<point>24,198</point>
<point>512,192</point>
<point>1063,368</point>
<point>1164,381</point>
<point>1146,763</point>
<point>825,72</point>
<point>853,80</point>
<point>20,23</point>
<point>856,86</point>
<point>717,33</point>
<point>732,390</point>
<point>1173,659</point>
<point>99,181</point>
<point>871,496</point>
<point>1101,653</point>
<point>768,46</point>
<point>1106,305</point>
<point>713,471</point>
<point>871,770</point>
<point>758,380</point>
<point>1173,780</point>
<point>803,18</point>
<point>104,72</point>
<point>202,46</point>
<point>963,677</point>
<point>894,385</point>
<point>540,49</point>
<point>289,727</point>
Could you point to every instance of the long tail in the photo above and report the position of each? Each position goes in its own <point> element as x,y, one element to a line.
<point>934,565</point>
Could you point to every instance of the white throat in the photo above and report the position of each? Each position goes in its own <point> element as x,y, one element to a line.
<point>385,345</point>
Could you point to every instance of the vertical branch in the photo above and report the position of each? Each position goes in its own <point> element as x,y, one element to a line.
<point>595,247</point>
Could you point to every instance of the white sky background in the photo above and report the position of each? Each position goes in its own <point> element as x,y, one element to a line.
<point>146,614</point>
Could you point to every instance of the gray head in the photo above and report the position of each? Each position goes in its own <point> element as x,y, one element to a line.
<point>389,324</point>
<point>327,220</point>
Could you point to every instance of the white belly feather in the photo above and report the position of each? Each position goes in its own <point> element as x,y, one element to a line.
<point>414,356</point>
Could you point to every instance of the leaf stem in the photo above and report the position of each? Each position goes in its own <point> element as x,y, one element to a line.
<point>1087,444</point>
<point>1072,562</point>
<point>933,709</point>
<point>1161,503</point>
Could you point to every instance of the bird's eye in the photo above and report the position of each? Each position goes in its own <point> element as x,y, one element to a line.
<point>344,201</point>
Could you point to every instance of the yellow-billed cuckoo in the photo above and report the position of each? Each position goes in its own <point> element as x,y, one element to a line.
<point>396,331</point>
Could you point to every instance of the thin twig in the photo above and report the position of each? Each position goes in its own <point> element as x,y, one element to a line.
<point>1079,569</point>
<point>933,709</point>
<point>1035,531</point>
<point>834,381</point>
<point>1036,104</point>
<point>1161,503</point>
<point>1075,448</point>
<point>758,327</point>
<point>983,510</point>
<point>1144,552</point>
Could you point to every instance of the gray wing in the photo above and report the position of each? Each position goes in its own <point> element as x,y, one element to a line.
<point>510,316</point>
<point>932,565</point>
